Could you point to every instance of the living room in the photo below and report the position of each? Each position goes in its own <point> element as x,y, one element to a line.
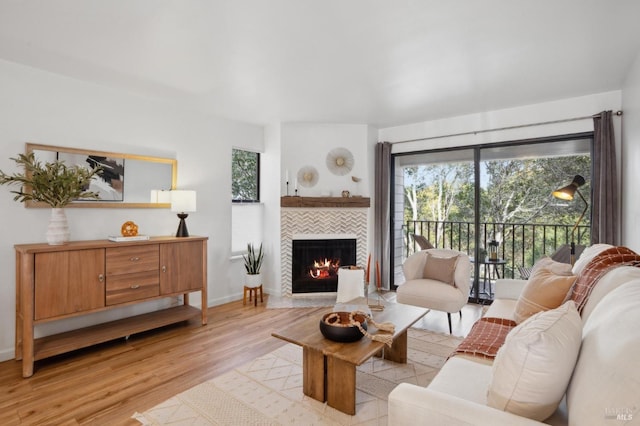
<point>47,98</point>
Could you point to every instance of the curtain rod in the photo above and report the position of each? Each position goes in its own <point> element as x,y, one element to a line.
<point>498,129</point>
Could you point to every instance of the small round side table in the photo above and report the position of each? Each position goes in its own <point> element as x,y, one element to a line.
<point>253,292</point>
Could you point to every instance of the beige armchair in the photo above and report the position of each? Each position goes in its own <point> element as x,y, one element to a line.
<point>426,284</point>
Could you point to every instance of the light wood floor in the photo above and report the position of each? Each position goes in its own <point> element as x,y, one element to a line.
<point>106,384</point>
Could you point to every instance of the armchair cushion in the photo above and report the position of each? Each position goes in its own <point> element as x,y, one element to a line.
<point>440,269</point>
<point>431,293</point>
<point>533,367</point>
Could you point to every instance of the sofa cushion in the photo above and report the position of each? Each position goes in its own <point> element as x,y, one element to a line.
<point>546,289</point>
<point>610,281</point>
<point>474,376</point>
<point>531,372</point>
<point>440,269</point>
<point>502,308</point>
<point>586,256</point>
<point>606,379</point>
<point>600,265</point>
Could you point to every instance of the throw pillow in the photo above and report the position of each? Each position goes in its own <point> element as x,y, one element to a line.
<point>545,289</point>
<point>531,371</point>
<point>440,269</point>
<point>556,267</point>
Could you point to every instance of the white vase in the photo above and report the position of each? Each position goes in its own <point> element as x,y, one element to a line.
<point>253,280</point>
<point>58,230</point>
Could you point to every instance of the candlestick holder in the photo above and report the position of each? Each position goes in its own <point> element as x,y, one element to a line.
<point>296,192</point>
<point>287,188</point>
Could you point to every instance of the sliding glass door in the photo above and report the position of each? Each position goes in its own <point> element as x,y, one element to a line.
<point>434,199</point>
<point>492,202</point>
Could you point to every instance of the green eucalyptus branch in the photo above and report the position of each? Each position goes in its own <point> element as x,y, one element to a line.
<point>55,183</point>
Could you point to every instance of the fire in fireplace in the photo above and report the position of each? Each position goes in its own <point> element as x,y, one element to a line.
<point>315,263</point>
<point>324,269</point>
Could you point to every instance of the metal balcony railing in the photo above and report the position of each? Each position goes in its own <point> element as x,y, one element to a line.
<point>521,244</point>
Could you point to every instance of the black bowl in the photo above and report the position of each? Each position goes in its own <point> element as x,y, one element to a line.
<point>342,331</point>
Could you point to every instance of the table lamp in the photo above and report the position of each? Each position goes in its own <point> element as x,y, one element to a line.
<point>183,202</point>
<point>567,193</point>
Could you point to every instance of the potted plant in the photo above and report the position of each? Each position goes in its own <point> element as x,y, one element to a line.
<point>53,183</point>
<point>252,264</point>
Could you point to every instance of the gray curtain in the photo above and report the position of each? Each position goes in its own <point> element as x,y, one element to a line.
<point>382,212</point>
<point>604,208</point>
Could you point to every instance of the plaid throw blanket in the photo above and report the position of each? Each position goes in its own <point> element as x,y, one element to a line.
<point>602,263</point>
<point>486,337</point>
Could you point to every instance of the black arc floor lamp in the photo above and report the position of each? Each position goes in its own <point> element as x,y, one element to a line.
<point>567,193</point>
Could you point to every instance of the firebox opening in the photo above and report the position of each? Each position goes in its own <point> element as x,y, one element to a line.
<point>315,263</point>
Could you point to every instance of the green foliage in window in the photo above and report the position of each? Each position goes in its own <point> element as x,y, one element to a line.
<point>245,176</point>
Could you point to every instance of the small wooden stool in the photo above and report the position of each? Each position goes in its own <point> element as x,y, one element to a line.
<point>253,292</point>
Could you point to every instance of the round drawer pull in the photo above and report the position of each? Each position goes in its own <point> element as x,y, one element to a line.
<point>134,286</point>
<point>134,259</point>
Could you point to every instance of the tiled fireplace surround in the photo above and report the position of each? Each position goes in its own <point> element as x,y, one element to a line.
<point>314,222</point>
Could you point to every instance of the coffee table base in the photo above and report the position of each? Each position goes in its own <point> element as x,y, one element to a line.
<point>329,368</point>
<point>313,373</point>
<point>328,378</point>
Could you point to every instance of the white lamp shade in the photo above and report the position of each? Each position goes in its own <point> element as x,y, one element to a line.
<point>183,201</point>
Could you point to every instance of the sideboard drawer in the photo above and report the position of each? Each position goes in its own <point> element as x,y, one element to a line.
<point>124,260</point>
<point>129,287</point>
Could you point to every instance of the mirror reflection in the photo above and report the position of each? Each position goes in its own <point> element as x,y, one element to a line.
<point>127,181</point>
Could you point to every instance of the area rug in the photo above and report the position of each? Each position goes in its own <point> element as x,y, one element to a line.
<point>268,390</point>
<point>276,302</point>
<point>312,301</point>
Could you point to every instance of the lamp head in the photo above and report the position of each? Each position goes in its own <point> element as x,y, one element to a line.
<point>183,201</point>
<point>567,192</point>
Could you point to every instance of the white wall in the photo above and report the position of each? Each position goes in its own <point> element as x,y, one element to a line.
<point>583,106</point>
<point>271,181</point>
<point>631,157</point>
<point>309,144</point>
<point>45,108</point>
<point>304,144</point>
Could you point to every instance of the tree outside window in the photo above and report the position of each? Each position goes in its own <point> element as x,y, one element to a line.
<point>245,176</point>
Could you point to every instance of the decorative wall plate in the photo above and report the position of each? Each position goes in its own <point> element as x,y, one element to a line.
<point>307,176</point>
<point>340,161</point>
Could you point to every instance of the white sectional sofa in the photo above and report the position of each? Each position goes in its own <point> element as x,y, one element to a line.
<point>604,387</point>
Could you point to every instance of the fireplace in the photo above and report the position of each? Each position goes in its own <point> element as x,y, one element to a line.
<point>315,263</point>
<point>317,224</point>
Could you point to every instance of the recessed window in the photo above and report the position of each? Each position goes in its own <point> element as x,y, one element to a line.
<point>245,176</point>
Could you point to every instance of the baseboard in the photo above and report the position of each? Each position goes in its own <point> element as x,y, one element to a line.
<point>7,354</point>
<point>226,299</point>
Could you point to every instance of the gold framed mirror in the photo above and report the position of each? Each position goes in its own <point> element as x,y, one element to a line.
<point>128,180</point>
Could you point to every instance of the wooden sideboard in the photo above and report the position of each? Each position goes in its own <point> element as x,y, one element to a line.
<point>82,277</point>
